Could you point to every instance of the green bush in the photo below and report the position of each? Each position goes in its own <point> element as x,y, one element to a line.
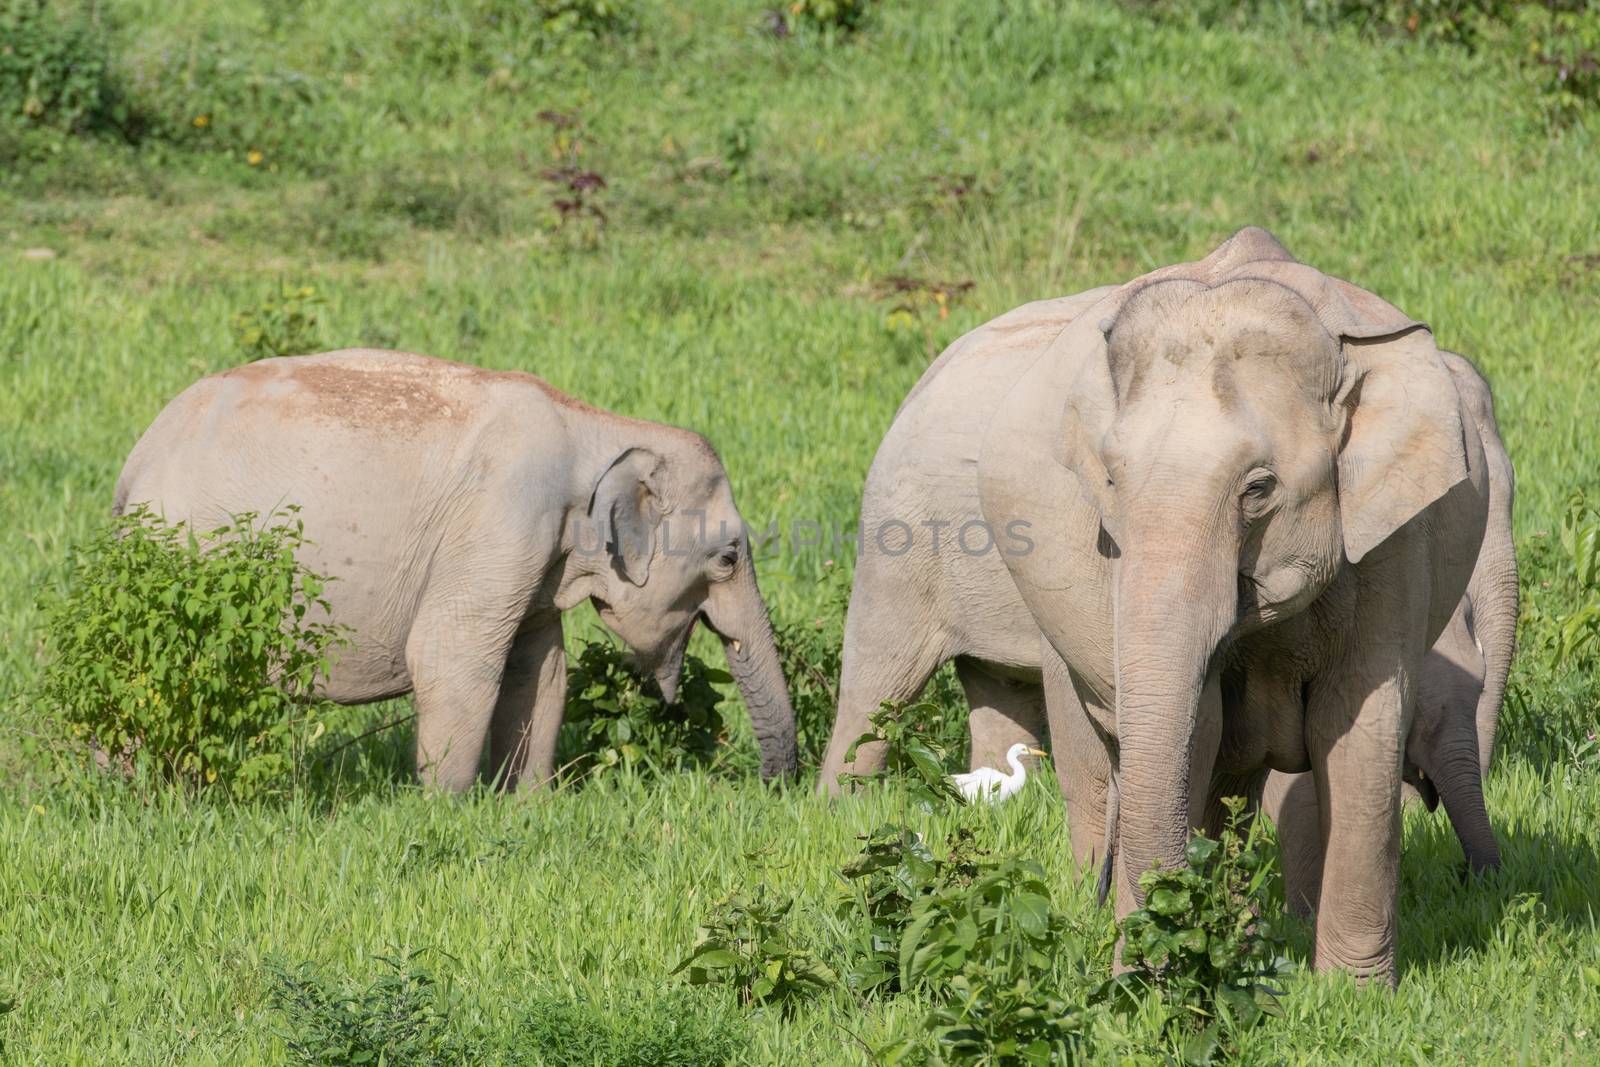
<point>56,69</point>
<point>982,937</point>
<point>915,753</point>
<point>284,324</point>
<point>1207,940</point>
<point>400,1018</point>
<point>746,943</point>
<point>189,659</point>
<point>675,1029</point>
<point>616,719</point>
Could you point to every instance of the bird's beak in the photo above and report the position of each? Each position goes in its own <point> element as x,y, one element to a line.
<point>1036,752</point>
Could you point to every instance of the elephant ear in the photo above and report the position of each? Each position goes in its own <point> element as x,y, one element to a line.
<point>1403,443</point>
<point>626,505</point>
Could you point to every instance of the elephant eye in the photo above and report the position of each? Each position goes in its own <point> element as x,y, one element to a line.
<point>724,558</point>
<point>1260,487</point>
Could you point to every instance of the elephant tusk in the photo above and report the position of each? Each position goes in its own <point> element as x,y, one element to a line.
<point>734,644</point>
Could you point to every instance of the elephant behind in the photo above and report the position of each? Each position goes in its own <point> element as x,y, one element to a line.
<point>462,511</point>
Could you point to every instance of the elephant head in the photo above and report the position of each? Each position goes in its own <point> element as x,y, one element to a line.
<point>1247,427</point>
<point>672,550</point>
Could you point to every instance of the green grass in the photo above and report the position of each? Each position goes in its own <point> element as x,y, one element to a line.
<point>1096,145</point>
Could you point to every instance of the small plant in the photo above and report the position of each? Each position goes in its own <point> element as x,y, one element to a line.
<point>918,304</point>
<point>400,1018</point>
<point>738,146</point>
<point>913,753</point>
<point>841,16</point>
<point>617,719</point>
<point>284,324</point>
<point>1207,940</point>
<point>573,194</point>
<point>193,659</point>
<point>746,943</point>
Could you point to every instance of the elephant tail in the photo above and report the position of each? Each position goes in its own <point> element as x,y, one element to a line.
<point>1103,889</point>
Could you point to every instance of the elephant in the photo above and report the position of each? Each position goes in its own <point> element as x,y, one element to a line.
<point>460,511</point>
<point>1459,694</point>
<point>1241,500</point>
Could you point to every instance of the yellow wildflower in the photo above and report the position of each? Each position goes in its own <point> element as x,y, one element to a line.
<point>254,157</point>
<point>202,121</point>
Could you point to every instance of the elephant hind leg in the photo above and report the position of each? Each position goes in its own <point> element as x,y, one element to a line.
<point>528,713</point>
<point>1005,712</point>
<point>886,659</point>
<point>1083,767</point>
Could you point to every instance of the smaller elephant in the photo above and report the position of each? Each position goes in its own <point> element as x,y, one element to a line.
<point>461,511</point>
<point>1459,695</point>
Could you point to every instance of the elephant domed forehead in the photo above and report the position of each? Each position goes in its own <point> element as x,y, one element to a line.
<point>1243,339</point>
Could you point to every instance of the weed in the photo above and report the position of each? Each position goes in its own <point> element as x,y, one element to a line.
<point>400,1018</point>
<point>617,720</point>
<point>190,658</point>
<point>746,943</point>
<point>283,324</point>
<point>913,753</point>
<point>1207,940</point>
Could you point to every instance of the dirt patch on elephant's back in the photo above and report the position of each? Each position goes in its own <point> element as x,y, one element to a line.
<point>387,395</point>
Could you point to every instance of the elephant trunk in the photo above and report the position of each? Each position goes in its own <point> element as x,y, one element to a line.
<point>1171,615</point>
<point>739,616</point>
<point>1495,599</point>
<point>1460,785</point>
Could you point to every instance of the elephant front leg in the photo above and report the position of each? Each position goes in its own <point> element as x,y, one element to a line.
<point>532,703</point>
<point>1356,733</point>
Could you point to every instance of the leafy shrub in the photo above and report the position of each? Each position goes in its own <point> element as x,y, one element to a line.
<point>400,1018</point>
<point>56,69</point>
<point>616,719</point>
<point>671,1030</point>
<point>894,871</point>
<point>192,659</point>
<point>914,753</point>
<point>747,944</point>
<point>979,934</point>
<point>283,324</point>
<point>1207,939</point>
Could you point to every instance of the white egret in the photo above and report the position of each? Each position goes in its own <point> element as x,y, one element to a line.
<point>991,786</point>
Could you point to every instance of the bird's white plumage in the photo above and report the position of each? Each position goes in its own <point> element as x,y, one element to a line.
<point>991,786</point>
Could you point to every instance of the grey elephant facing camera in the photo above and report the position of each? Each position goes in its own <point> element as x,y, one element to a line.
<point>462,511</point>
<point>1255,495</point>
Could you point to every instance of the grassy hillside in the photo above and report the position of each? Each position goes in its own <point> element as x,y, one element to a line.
<point>786,233</point>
